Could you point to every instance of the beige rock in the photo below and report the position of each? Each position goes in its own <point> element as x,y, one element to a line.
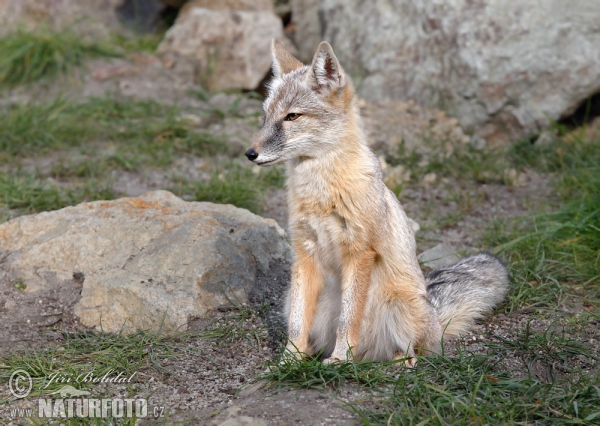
<point>88,16</point>
<point>230,49</point>
<point>389,124</point>
<point>430,179</point>
<point>146,263</point>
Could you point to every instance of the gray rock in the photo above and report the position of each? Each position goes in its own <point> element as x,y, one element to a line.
<point>308,28</point>
<point>144,263</point>
<point>229,48</point>
<point>505,69</point>
<point>438,257</point>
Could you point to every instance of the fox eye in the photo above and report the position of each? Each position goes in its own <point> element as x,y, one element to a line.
<point>292,116</point>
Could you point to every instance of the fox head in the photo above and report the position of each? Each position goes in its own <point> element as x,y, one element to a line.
<point>307,109</point>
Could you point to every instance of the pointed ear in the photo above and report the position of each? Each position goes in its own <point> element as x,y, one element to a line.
<point>283,61</point>
<point>328,73</point>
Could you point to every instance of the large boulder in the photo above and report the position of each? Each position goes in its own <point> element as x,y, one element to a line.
<point>505,69</point>
<point>228,42</point>
<point>144,263</point>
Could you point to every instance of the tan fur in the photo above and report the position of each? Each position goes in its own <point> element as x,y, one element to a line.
<point>357,290</point>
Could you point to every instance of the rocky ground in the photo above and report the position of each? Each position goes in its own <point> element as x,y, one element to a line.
<point>212,379</point>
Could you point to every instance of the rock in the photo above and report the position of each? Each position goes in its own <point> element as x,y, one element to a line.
<point>144,263</point>
<point>92,17</point>
<point>305,15</point>
<point>438,257</point>
<point>176,4</point>
<point>231,417</point>
<point>230,5</point>
<point>230,48</point>
<point>389,124</point>
<point>504,69</point>
<point>430,179</point>
<point>112,71</point>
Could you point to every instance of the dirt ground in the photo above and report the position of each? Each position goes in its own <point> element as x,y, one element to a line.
<point>218,386</point>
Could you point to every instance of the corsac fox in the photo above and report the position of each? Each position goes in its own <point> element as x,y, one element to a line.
<point>356,291</point>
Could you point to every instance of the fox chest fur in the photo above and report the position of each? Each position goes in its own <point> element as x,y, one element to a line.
<point>328,214</point>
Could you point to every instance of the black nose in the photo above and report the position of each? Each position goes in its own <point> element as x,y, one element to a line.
<point>251,154</point>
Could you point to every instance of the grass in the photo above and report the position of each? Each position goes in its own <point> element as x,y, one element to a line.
<point>82,353</point>
<point>235,185</point>
<point>115,134</point>
<point>27,57</point>
<point>234,325</point>
<point>39,127</point>
<point>138,128</point>
<point>30,56</point>
<point>85,357</point>
<point>467,388</point>
<point>32,194</point>
<point>139,43</point>
<point>559,251</point>
<point>464,162</point>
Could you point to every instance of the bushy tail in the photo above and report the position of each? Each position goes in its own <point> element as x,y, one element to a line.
<point>467,290</point>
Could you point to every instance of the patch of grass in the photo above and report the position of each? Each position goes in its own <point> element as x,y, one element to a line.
<point>272,177</point>
<point>559,352</point>
<point>137,43</point>
<point>551,253</point>
<point>235,185</point>
<point>19,284</point>
<point>31,194</point>
<point>100,353</point>
<point>39,127</point>
<point>465,389</point>
<point>236,324</point>
<point>26,57</point>
<point>137,128</point>
<point>132,421</point>
<point>89,168</point>
<point>461,162</point>
<point>311,373</point>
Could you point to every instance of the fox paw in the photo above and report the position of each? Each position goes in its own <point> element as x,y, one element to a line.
<point>331,360</point>
<point>408,361</point>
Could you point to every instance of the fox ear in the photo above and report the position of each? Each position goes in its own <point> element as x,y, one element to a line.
<point>283,61</point>
<point>328,73</point>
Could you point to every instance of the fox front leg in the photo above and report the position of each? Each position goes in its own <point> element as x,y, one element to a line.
<point>356,279</point>
<point>306,285</point>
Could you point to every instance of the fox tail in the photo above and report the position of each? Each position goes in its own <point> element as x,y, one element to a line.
<point>467,290</point>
